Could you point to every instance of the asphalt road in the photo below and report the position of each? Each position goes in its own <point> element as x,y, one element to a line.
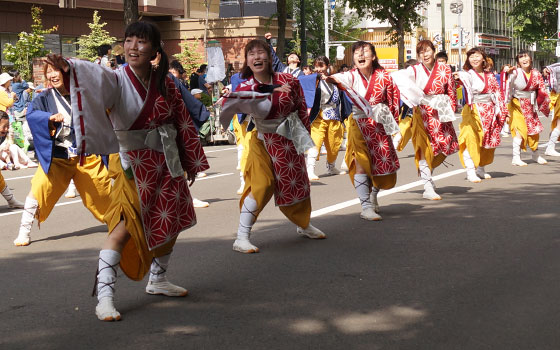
<point>478,270</point>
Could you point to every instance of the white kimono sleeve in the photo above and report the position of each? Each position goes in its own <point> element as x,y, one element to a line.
<point>93,90</point>
<point>411,94</point>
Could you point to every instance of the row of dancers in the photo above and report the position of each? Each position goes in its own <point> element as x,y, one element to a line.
<point>138,115</point>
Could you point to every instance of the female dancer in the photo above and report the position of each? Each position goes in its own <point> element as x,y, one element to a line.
<point>483,115</point>
<point>430,87</point>
<point>49,119</point>
<point>275,160</point>
<point>150,199</point>
<point>526,95</point>
<point>6,193</point>
<point>553,74</point>
<point>370,154</point>
<point>327,125</point>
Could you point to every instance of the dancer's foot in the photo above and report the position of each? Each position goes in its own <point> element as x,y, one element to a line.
<point>539,159</point>
<point>517,162</point>
<point>244,246</point>
<point>165,288</point>
<point>430,193</point>
<point>22,240</point>
<point>200,204</point>
<point>105,310</point>
<point>481,173</point>
<point>370,214</point>
<point>311,232</point>
<point>71,193</point>
<point>551,152</point>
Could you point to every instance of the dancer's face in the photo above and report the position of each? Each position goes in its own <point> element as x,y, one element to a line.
<point>293,58</point>
<point>525,62</point>
<point>4,127</point>
<point>257,60</point>
<point>427,56</point>
<point>363,57</point>
<point>138,52</point>
<point>476,60</point>
<point>321,68</point>
<point>54,77</point>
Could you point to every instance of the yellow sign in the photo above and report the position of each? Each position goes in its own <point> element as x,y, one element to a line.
<point>388,57</point>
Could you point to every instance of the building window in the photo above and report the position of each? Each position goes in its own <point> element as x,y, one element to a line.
<point>69,46</point>
<point>6,38</point>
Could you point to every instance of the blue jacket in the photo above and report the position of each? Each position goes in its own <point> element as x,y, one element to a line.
<point>19,88</point>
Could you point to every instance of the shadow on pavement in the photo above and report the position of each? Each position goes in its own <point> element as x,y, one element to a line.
<point>478,270</point>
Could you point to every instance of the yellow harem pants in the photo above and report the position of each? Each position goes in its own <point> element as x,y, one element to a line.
<point>2,182</point>
<point>259,182</point>
<point>357,151</point>
<point>91,180</point>
<point>125,205</point>
<point>241,135</point>
<point>554,106</point>
<point>470,138</point>
<point>414,128</point>
<point>330,132</point>
<point>518,126</point>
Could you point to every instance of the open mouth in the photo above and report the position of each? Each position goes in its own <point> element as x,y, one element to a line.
<point>362,61</point>
<point>133,55</point>
<point>258,64</point>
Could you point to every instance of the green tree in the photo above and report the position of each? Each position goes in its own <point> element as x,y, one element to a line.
<point>29,45</point>
<point>88,44</point>
<point>403,16</point>
<point>190,58</point>
<point>534,21</point>
<point>344,28</point>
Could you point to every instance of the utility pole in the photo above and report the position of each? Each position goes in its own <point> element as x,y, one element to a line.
<point>326,8</point>
<point>443,25</point>
<point>302,35</point>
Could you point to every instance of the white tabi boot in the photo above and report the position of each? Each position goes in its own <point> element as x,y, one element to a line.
<point>537,157</point>
<point>158,283</point>
<point>246,220</point>
<point>550,149</point>
<point>311,161</point>
<point>9,197</point>
<point>106,278</point>
<point>239,156</point>
<point>72,192</point>
<point>396,140</point>
<point>27,217</point>
<point>516,160</point>
<point>481,173</point>
<point>469,164</point>
<point>242,183</point>
<point>426,175</point>
<point>311,232</point>
<point>332,170</point>
<point>373,198</point>
<point>361,183</point>
<point>344,166</point>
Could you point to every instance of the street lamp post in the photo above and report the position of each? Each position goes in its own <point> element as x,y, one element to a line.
<point>457,8</point>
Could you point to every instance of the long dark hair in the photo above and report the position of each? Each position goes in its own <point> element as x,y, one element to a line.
<point>521,54</point>
<point>148,31</point>
<point>360,44</point>
<point>246,71</point>
<point>474,50</point>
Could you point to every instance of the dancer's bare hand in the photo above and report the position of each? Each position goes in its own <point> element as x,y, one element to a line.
<point>58,62</point>
<point>284,88</point>
<point>191,178</point>
<point>56,118</point>
<point>268,36</point>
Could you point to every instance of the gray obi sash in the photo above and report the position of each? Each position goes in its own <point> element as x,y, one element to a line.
<point>290,127</point>
<point>161,139</point>
<point>382,115</point>
<point>442,104</point>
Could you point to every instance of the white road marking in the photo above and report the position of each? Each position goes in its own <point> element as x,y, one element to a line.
<point>80,201</point>
<point>19,177</point>
<point>402,188</point>
<point>221,150</point>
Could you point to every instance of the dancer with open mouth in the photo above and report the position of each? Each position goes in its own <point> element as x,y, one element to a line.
<point>429,88</point>
<point>275,161</point>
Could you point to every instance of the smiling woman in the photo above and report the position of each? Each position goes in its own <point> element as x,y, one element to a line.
<point>275,161</point>
<point>149,124</point>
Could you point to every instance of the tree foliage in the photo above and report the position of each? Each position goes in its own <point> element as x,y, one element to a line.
<point>88,44</point>
<point>403,16</point>
<point>535,21</point>
<point>344,28</point>
<point>189,57</point>
<point>29,45</point>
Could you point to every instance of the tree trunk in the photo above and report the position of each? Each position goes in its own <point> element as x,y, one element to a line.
<point>130,11</point>
<point>400,45</point>
<point>282,16</point>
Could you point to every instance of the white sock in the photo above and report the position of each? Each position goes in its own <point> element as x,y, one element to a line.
<point>554,136</point>
<point>107,273</point>
<point>159,268</point>
<point>239,155</point>
<point>8,195</point>
<point>28,215</point>
<point>247,218</point>
<point>425,174</point>
<point>361,183</point>
<point>517,146</point>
